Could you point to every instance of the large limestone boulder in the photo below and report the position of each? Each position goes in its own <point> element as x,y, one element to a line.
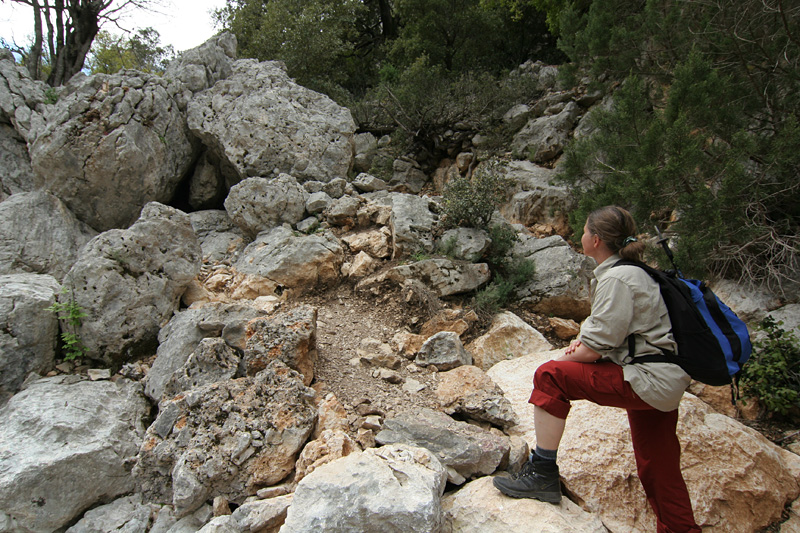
<point>129,514</point>
<point>534,197</point>
<point>220,239</point>
<point>412,220</point>
<point>478,507</point>
<point>508,336</point>
<point>21,98</point>
<point>129,282</point>
<point>289,337</point>
<point>65,446</point>
<point>16,173</point>
<point>280,260</point>
<point>260,204</point>
<point>229,438</point>
<point>180,338</point>
<point>28,329</point>
<point>738,481</point>
<point>465,450</point>
<point>544,138</point>
<point>112,145</point>
<point>560,283</point>
<point>394,488</point>
<point>39,235</point>
<point>443,276</point>
<point>258,122</point>
<point>203,66</point>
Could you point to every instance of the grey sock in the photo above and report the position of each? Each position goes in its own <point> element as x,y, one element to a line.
<point>548,455</point>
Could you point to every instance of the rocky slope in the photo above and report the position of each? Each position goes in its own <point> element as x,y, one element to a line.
<point>303,358</point>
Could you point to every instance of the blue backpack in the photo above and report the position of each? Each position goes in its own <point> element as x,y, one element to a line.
<point>713,343</point>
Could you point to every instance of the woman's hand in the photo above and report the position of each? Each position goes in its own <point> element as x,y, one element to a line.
<point>572,347</point>
<point>579,352</point>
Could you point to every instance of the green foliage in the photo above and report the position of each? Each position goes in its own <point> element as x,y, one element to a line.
<point>50,95</point>
<point>316,39</point>
<point>142,51</point>
<point>70,313</point>
<point>686,160</point>
<point>772,375</point>
<point>502,289</point>
<point>471,201</point>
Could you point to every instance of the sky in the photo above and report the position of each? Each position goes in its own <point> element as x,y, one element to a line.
<point>183,24</point>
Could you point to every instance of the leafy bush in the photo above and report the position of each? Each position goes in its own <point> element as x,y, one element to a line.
<point>773,373</point>
<point>471,201</point>
<point>70,313</point>
<point>501,291</point>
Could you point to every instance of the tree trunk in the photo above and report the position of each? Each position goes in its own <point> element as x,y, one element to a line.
<point>74,40</point>
<point>34,60</point>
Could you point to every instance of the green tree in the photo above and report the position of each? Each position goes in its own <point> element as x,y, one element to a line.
<point>701,129</point>
<point>142,51</point>
<point>64,32</point>
<point>315,38</point>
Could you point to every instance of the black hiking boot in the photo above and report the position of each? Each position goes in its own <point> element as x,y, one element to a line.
<point>536,479</point>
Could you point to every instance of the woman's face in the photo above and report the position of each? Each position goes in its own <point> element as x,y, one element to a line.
<point>588,241</point>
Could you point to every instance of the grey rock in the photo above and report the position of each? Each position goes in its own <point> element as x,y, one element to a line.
<point>213,360</point>
<point>443,276</point>
<point>368,183</point>
<point>21,98</point>
<point>180,338</point>
<point>318,202</point>
<point>464,449</point>
<point>535,198</point>
<point>407,176</point>
<point>392,489</point>
<point>281,260</point>
<point>289,337</point>
<point>366,148</point>
<point>308,225</point>
<point>16,173</point>
<point>466,244</point>
<point>39,235</point>
<point>201,67</point>
<point>444,350</point>
<point>130,282</point>
<point>260,204</point>
<point>126,515</point>
<point>228,439</point>
<point>258,122</point>
<point>560,284</point>
<point>336,188</point>
<point>343,212</point>
<point>221,241</point>
<point>65,446</point>
<point>261,515</point>
<point>28,330</point>
<point>412,220</point>
<point>111,146</point>
<point>544,138</point>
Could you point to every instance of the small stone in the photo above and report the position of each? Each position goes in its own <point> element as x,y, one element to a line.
<point>96,374</point>
<point>221,506</point>
<point>372,422</point>
<point>272,492</point>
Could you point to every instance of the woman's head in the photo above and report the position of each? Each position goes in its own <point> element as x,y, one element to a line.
<point>616,228</point>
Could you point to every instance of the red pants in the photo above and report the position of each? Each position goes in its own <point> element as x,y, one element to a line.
<point>655,444</point>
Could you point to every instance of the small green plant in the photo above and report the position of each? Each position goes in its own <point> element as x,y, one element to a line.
<point>70,313</point>
<point>500,292</point>
<point>420,255</point>
<point>773,373</point>
<point>448,247</point>
<point>50,95</point>
<point>471,201</point>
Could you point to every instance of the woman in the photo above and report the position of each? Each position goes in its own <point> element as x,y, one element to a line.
<point>596,367</point>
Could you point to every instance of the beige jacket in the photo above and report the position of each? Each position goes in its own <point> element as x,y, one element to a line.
<point>626,300</point>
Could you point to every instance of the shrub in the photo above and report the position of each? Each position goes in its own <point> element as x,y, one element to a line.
<point>501,291</point>
<point>70,313</point>
<point>773,373</point>
<point>471,201</point>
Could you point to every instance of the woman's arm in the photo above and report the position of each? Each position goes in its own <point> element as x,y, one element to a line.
<point>579,352</point>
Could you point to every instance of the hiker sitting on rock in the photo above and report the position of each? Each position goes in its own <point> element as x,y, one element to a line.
<point>625,302</point>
